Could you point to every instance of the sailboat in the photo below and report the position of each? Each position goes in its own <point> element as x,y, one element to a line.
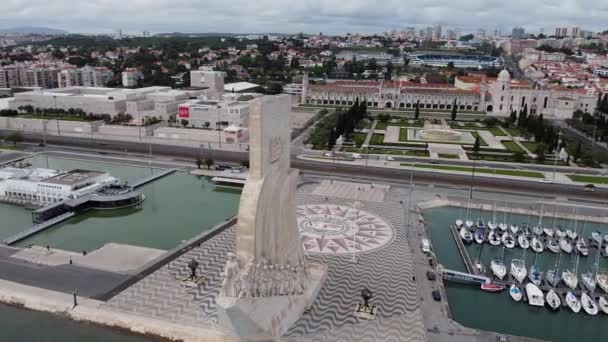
<point>606,238</point>
<point>466,235</point>
<point>515,293</point>
<point>589,278</point>
<point>535,295</point>
<point>518,270</point>
<point>538,229</point>
<point>548,231</point>
<point>503,225</point>
<point>514,229</point>
<point>508,240</point>
<point>553,300</point>
<point>571,234</point>
<point>459,221</point>
<point>479,232</point>
<point>565,245</point>
<point>534,273</point>
<point>597,236</point>
<point>589,304</point>
<point>553,246</point>
<point>537,245</point>
<point>601,280</point>
<point>603,304</point>
<point>468,222</point>
<point>582,247</point>
<point>573,303</point>
<point>560,233</point>
<point>553,276</point>
<point>493,238</point>
<point>498,266</point>
<point>492,224</point>
<point>569,277</point>
<point>523,242</point>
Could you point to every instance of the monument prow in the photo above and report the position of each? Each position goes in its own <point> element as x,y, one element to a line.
<point>267,283</point>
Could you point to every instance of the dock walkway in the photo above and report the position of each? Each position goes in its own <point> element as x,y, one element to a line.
<point>468,263</point>
<point>151,178</point>
<point>37,228</point>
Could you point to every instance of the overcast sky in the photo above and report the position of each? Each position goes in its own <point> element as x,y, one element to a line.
<point>311,16</point>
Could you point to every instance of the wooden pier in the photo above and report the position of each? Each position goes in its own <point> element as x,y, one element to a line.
<point>463,251</point>
<point>151,178</point>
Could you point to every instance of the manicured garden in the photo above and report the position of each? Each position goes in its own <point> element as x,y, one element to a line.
<point>589,179</point>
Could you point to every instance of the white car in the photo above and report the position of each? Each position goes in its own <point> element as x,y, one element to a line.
<point>389,158</point>
<point>546,180</point>
<point>328,154</point>
<point>357,156</point>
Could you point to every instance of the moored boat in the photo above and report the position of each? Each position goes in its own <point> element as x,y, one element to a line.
<point>588,281</point>
<point>603,304</point>
<point>553,277</point>
<point>479,235</point>
<point>565,246</point>
<point>601,280</point>
<point>571,234</point>
<point>515,293</point>
<point>466,235</point>
<point>498,268</point>
<point>492,287</point>
<point>514,229</point>
<point>537,245</point>
<point>493,238</point>
<point>535,295</point>
<point>459,223</point>
<point>508,240</point>
<point>597,236</point>
<point>502,226</point>
<point>552,245</point>
<point>589,304</point>
<point>582,247</point>
<point>570,279</point>
<point>573,303</point>
<point>553,300</point>
<point>518,270</point>
<point>537,230</point>
<point>523,242</point>
<point>559,232</point>
<point>469,224</point>
<point>535,275</point>
<point>548,231</point>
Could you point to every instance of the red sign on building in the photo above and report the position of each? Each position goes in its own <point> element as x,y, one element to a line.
<point>184,112</point>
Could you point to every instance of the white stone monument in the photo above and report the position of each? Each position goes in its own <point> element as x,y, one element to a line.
<point>267,283</point>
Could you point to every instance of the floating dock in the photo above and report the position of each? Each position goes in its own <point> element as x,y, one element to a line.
<point>146,180</point>
<point>37,228</point>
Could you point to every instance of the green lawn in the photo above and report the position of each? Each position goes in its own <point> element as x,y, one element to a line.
<point>54,117</point>
<point>512,146</point>
<point>589,179</point>
<point>504,172</point>
<point>403,134</point>
<point>401,123</point>
<point>497,131</point>
<point>530,146</point>
<point>414,153</point>
<point>448,156</point>
<point>359,138</point>
<point>11,147</point>
<point>377,139</point>
<point>514,131</point>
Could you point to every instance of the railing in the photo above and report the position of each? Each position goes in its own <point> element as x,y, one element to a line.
<point>151,178</point>
<point>37,228</point>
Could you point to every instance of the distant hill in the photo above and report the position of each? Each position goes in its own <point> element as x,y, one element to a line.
<point>33,30</point>
<point>215,34</point>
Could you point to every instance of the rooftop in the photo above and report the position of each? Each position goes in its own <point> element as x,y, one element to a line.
<point>73,177</point>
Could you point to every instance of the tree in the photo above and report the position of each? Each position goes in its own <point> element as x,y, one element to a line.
<point>184,122</point>
<point>274,88</point>
<point>199,162</point>
<point>389,71</point>
<point>513,117</point>
<point>450,65</point>
<point>476,145</point>
<point>540,153</point>
<point>539,132</point>
<point>384,117</point>
<point>519,157</point>
<point>332,139</point>
<point>245,163</point>
<point>209,163</point>
<point>372,64</point>
<point>417,111</point>
<point>15,138</point>
<point>577,151</point>
<point>454,110</point>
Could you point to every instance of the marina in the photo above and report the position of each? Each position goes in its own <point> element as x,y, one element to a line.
<point>464,289</point>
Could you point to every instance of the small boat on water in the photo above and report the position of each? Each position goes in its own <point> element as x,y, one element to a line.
<point>552,245</point>
<point>535,295</point>
<point>498,268</point>
<point>469,224</point>
<point>534,275</point>
<point>479,235</point>
<point>605,238</point>
<point>603,304</point>
<point>518,270</point>
<point>589,304</point>
<point>571,234</point>
<point>492,225</point>
<point>570,279</point>
<point>565,245</point>
<point>559,232</point>
<point>553,277</point>
<point>582,247</point>
<point>589,281</point>
<point>537,245</point>
<point>548,231</point>
<point>459,223</point>
<point>508,240</point>
<point>492,287</point>
<point>573,303</point>
<point>514,229</point>
<point>553,300</point>
<point>601,280</point>
<point>597,236</point>
<point>503,227</point>
<point>515,293</point>
<point>537,230</point>
<point>466,235</point>
<point>493,238</point>
<point>523,242</point>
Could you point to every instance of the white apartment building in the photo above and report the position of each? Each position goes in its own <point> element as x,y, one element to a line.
<point>84,77</point>
<point>231,110</point>
<point>131,77</point>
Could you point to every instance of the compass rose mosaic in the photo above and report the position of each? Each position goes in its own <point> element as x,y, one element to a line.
<point>330,229</point>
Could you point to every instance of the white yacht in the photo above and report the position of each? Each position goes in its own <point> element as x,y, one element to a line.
<point>601,280</point>
<point>570,279</point>
<point>560,233</point>
<point>588,281</point>
<point>571,234</point>
<point>518,270</point>
<point>459,223</point>
<point>498,268</point>
<point>597,236</point>
<point>515,293</point>
<point>565,245</point>
<point>535,295</point>
<point>469,223</point>
<point>492,225</point>
<point>589,304</point>
<point>552,245</point>
<point>553,277</point>
<point>537,245</point>
<point>508,240</point>
<point>535,276</point>
<point>603,304</point>
<point>537,230</point>
<point>573,303</point>
<point>582,247</point>
<point>553,300</point>
<point>523,242</point>
<point>502,226</point>
<point>493,238</point>
<point>548,231</point>
<point>466,235</point>
<point>514,229</point>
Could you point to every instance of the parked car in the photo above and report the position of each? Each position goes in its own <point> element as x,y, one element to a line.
<point>222,167</point>
<point>328,154</point>
<point>426,246</point>
<point>389,158</point>
<point>430,275</point>
<point>357,156</point>
<point>436,295</point>
<point>590,188</point>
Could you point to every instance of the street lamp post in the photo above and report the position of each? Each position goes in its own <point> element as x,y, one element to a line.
<point>559,138</point>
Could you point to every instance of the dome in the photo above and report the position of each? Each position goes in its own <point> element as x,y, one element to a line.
<point>504,76</point>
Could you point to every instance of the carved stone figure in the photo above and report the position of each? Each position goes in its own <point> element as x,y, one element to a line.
<point>231,274</point>
<point>247,281</point>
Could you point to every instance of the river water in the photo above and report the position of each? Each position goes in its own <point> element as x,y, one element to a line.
<point>497,312</point>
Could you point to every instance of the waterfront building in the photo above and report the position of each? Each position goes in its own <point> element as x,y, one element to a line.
<point>44,186</point>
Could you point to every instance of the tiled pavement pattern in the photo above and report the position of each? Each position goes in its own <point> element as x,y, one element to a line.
<point>387,272</point>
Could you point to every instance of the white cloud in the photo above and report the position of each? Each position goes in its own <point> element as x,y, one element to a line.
<point>304,15</point>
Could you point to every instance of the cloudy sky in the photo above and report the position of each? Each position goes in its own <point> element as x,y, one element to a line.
<point>328,16</point>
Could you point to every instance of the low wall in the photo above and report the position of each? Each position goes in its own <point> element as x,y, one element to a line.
<point>52,126</point>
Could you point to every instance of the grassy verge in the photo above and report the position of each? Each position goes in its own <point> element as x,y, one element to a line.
<point>377,139</point>
<point>54,117</point>
<point>512,146</point>
<point>589,179</point>
<point>401,123</point>
<point>11,147</point>
<point>448,156</point>
<point>403,134</point>
<point>359,138</point>
<point>530,146</point>
<point>497,131</point>
<point>514,131</point>
<point>504,172</point>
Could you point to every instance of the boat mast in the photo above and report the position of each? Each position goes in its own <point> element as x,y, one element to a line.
<point>578,255</point>
<point>540,218</point>
<point>504,217</point>
<point>494,214</point>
